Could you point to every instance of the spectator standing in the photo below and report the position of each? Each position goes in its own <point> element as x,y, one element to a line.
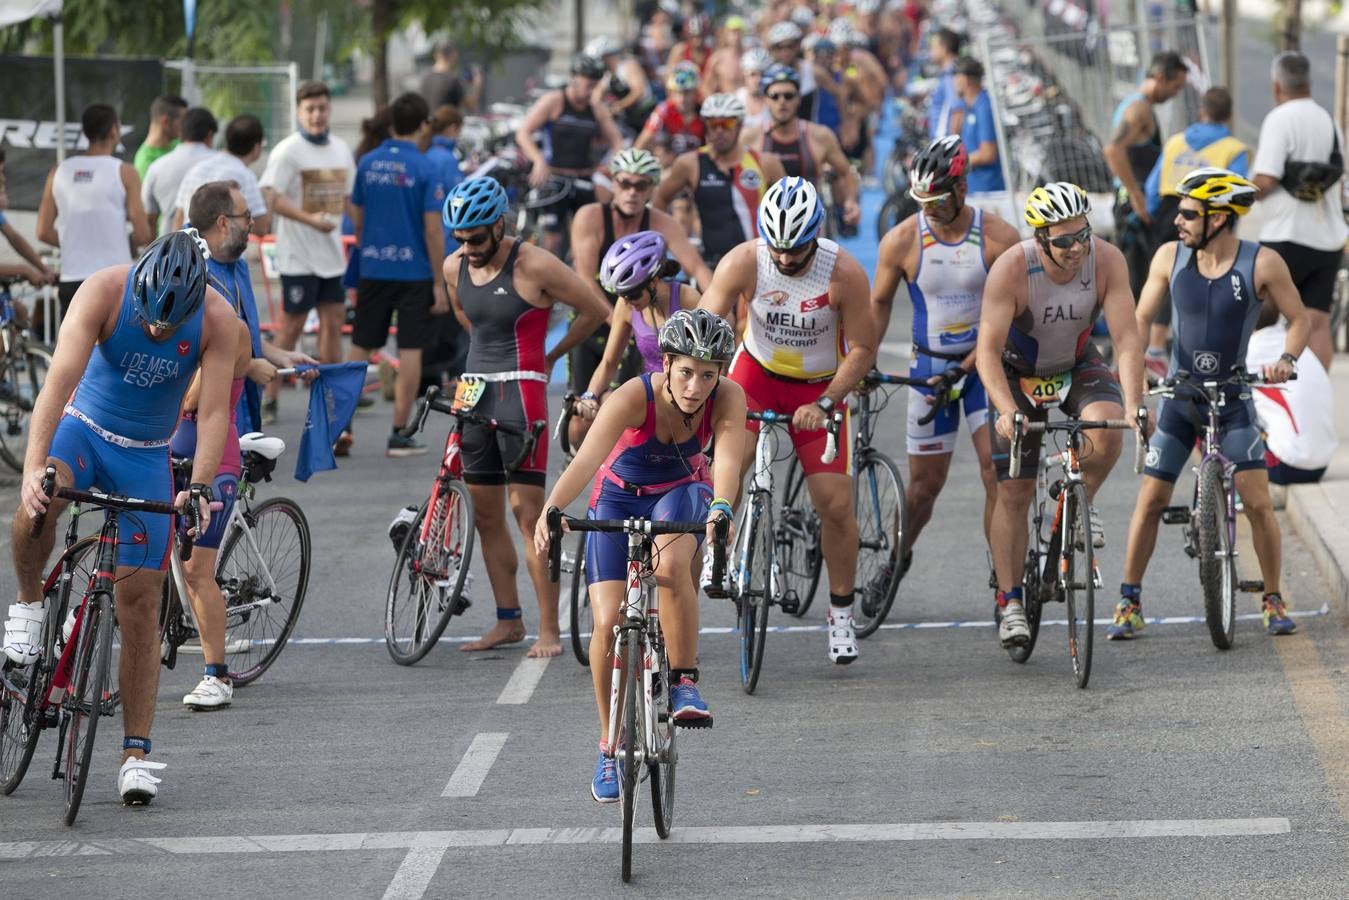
<point>159,193</point>
<point>1298,163</point>
<point>1296,417</point>
<point>943,50</point>
<point>166,122</point>
<point>395,208</point>
<point>87,202</point>
<point>444,86</point>
<point>307,181</point>
<point>243,147</point>
<point>978,130</point>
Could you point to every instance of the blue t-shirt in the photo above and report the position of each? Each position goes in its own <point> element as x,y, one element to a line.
<point>442,155</point>
<point>233,283</point>
<point>977,128</point>
<point>941,103</point>
<point>1197,136</point>
<point>395,185</point>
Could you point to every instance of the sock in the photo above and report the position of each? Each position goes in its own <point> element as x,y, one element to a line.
<point>219,671</point>
<point>1013,595</point>
<point>604,746</point>
<point>1156,353</point>
<point>840,606</point>
<point>1132,592</point>
<point>690,674</point>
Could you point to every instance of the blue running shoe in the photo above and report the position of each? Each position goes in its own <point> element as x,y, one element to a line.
<point>1277,620</point>
<point>689,709</point>
<point>604,786</point>
<point>1128,621</point>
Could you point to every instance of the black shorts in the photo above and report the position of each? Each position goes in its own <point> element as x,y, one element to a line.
<point>65,292</point>
<point>376,303</point>
<point>556,216</point>
<point>585,358</point>
<point>1092,383</point>
<point>487,453</point>
<point>1313,271</point>
<point>858,150</point>
<point>301,293</point>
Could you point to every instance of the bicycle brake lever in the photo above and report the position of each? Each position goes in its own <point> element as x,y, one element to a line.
<point>554,543</point>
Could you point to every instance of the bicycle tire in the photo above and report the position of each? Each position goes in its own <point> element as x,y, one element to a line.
<point>281,533</point>
<point>798,538</point>
<point>662,768</point>
<point>1079,589</point>
<point>83,706</point>
<point>882,520</point>
<point>581,616</point>
<point>1033,581</point>
<point>896,209</point>
<point>756,598</point>
<point>435,599</point>
<point>629,739</point>
<point>1217,565</point>
<point>27,383</point>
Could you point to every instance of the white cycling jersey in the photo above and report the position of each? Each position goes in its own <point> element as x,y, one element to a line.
<point>948,289</point>
<point>793,329</point>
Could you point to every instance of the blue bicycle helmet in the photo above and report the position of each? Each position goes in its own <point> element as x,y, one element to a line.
<point>779,74</point>
<point>475,202</point>
<point>790,214</point>
<point>168,283</point>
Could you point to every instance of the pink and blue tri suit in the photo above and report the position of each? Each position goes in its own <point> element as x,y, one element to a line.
<point>646,478</point>
<point>225,485</point>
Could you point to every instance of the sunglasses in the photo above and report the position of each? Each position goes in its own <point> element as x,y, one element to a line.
<point>781,96</point>
<point>795,253</point>
<point>727,123</point>
<point>929,202</point>
<point>476,240</point>
<point>1189,215</point>
<point>1065,241</point>
<point>790,45</point>
<point>624,184</point>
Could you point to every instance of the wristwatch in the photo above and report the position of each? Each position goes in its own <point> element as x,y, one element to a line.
<point>825,404</point>
<point>1290,359</point>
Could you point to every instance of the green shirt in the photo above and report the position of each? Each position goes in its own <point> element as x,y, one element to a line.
<point>145,154</point>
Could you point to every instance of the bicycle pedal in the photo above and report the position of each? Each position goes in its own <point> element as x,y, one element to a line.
<point>790,603</point>
<point>1096,578</point>
<point>702,723</point>
<point>1176,515</point>
<point>1251,587</point>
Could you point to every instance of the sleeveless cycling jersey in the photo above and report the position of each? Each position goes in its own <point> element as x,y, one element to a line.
<point>1213,318</point>
<point>606,210</point>
<point>570,138</point>
<point>647,338</point>
<point>797,160</point>
<point>1143,154</point>
<point>508,333</point>
<point>792,331</point>
<point>133,385</point>
<point>1052,333</point>
<point>948,290</point>
<point>728,202</point>
<point>642,463</point>
<point>684,134</point>
<point>184,443</point>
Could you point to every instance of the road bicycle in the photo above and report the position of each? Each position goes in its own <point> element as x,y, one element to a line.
<point>70,685</point>
<point>24,363</point>
<point>262,571</point>
<point>758,582</point>
<point>582,621</point>
<point>641,725</point>
<point>1211,518</point>
<point>429,582</point>
<point>1060,562</point>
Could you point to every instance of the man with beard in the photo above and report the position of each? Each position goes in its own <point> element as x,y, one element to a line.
<point>809,340</point>
<point>502,297</point>
<point>1216,283</point>
<point>943,252</point>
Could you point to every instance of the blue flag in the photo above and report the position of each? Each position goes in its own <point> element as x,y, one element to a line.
<point>332,403</point>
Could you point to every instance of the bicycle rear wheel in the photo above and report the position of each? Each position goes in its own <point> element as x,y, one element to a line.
<point>263,573</point>
<point>755,599</point>
<point>21,378</point>
<point>798,540</point>
<point>630,738</point>
<point>662,768</point>
<point>582,620</point>
<point>1078,573</point>
<point>427,585</point>
<point>1217,561</point>
<point>878,502</point>
<point>84,703</point>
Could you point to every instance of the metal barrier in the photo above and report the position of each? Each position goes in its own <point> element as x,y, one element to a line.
<point>266,91</point>
<point>1054,98</point>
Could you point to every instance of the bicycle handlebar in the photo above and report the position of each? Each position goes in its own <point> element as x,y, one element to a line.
<point>634,526</point>
<point>832,424</point>
<point>942,394</point>
<point>434,399</point>
<point>104,500</point>
<point>1021,425</point>
<point>562,433</point>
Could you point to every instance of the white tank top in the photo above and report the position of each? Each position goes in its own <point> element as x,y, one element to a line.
<point>90,215</point>
<point>948,291</point>
<point>793,330</point>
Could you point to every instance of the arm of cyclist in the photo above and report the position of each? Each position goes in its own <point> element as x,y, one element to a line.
<point>36,272</point>
<point>650,129</point>
<point>1118,307</point>
<point>849,289</point>
<point>680,247</point>
<point>562,284</point>
<point>850,186</point>
<point>1004,292</point>
<point>1156,292</point>
<point>683,175</point>
<point>451,272</point>
<point>734,278</point>
<point>729,433</point>
<point>216,371</point>
<point>892,260</point>
<point>587,231</point>
<point>614,348</point>
<point>1274,284</point>
<point>1133,127</point>
<point>625,408</point>
<point>544,110</point>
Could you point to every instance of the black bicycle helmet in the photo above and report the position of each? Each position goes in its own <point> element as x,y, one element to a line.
<point>588,67</point>
<point>939,166</point>
<point>698,333</point>
<point>168,283</point>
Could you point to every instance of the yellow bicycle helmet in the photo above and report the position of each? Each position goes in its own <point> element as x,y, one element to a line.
<point>1057,201</point>
<point>1219,190</point>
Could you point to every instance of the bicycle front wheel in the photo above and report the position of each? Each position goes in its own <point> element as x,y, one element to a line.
<point>263,573</point>
<point>1217,561</point>
<point>630,738</point>
<point>582,620</point>
<point>662,768</point>
<point>757,595</point>
<point>21,378</point>
<point>878,501</point>
<point>1077,571</point>
<point>798,539</point>
<point>84,703</point>
<point>427,586</point>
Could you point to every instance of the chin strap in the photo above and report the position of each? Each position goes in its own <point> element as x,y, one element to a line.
<point>688,417</point>
<point>1042,238</point>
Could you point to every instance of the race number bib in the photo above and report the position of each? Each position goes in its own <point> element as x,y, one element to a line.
<point>469,392</point>
<point>1046,391</point>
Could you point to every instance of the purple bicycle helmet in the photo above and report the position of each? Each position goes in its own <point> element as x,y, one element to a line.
<point>631,262</point>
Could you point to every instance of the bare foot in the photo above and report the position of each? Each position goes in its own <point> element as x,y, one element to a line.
<point>547,645</point>
<point>503,632</point>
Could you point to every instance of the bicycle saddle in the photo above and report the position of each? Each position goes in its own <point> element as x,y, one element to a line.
<point>264,445</point>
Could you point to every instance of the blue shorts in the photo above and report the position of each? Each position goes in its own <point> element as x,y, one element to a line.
<point>225,489</point>
<point>939,435</point>
<point>1170,445</point>
<point>607,554</point>
<point>140,472</point>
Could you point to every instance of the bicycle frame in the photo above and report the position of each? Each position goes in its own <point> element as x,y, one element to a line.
<point>760,494</point>
<point>640,620</point>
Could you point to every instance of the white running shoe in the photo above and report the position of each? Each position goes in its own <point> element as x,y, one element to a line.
<point>23,632</point>
<point>842,639</point>
<point>211,693</point>
<point>135,783</point>
<point>1013,630</point>
<point>715,591</point>
<point>1097,532</point>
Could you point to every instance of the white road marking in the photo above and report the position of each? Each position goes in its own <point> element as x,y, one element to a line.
<point>415,873</point>
<point>715,834</point>
<point>477,762</point>
<point>524,679</point>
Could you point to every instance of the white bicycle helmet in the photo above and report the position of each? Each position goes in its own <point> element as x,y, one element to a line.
<point>790,213</point>
<point>722,106</point>
<point>756,60</point>
<point>603,46</point>
<point>783,32</point>
<point>635,161</point>
<point>1057,201</point>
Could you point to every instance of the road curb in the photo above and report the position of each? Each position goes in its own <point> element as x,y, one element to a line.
<point>1313,516</point>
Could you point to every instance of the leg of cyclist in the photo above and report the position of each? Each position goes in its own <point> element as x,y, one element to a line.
<point>679,598</point>
<point>927,476</point>
<point>138,594</point>
<point>23,626</point>
<point>831,492</point>
<point>208,604</point>
<point>1008,533</point>
<point>1253,486</point>
<point>527,505</point>
<point>498,555</point>
<point>983,451</point>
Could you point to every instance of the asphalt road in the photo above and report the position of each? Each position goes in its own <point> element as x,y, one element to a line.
<point>934,766</point>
